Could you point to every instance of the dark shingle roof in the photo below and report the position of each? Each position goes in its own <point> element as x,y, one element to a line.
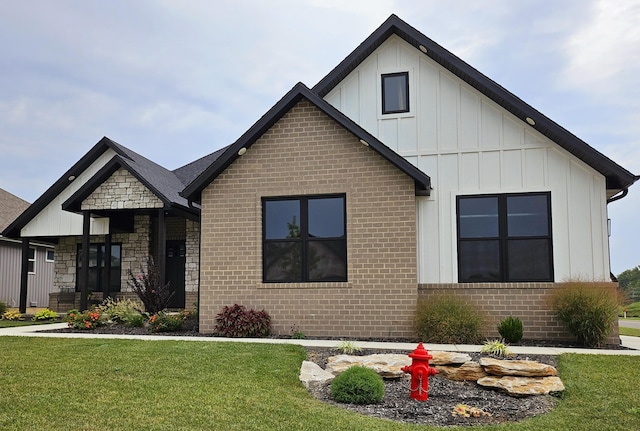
<point>617,177</point>
<point>11,206</point>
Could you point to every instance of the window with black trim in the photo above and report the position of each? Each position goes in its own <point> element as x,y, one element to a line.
<point>31,264</point>
<point>504,238</point>
<point>395,93</point>
<point>97,267</point>
<point>304,239</point>
<point>50,256</point>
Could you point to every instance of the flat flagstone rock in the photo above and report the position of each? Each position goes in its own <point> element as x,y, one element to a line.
<point>449,358</point>
<point>469,371</point>
<point>499,367</point>
<point>523,386</point>
<point>388,365</point>
<point>310,372</point>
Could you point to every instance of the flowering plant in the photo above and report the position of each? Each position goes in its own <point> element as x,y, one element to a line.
<point>167,322</point>
<point>147,286</point>
<point>88,319</point>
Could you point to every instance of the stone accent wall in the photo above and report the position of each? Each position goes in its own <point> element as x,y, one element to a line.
<point>307,153</point>
<point>135,248</point>
<point>192,266</point>
<point>528,301</point>
<point>121,191</point>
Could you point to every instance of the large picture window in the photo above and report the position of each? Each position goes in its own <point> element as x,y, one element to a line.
<point>304,239</point>
<point>97,268</point>
<point>504,238</point>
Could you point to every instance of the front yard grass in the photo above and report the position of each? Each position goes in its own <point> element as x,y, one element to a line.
<point>28,322</point>
<point>105,384</point>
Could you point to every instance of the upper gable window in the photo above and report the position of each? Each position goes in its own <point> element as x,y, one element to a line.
<point>395,93</point>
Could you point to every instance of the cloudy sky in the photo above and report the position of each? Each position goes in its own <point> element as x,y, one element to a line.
<point>175,80</point>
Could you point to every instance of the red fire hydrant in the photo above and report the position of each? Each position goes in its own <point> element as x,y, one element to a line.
<point>420,373</point>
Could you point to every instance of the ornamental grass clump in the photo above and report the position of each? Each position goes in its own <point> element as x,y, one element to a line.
<point>588,311</point>
<point>511,329</point>
<point>123,310</point>
<point>358,385</point>
<point>449,319</point>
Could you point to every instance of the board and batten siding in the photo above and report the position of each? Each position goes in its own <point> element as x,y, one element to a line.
<point>470,145</point>
<point>53,221</point>
<point>39,284</point>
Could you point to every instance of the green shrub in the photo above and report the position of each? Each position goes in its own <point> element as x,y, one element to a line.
<point>358,385</point>
<point>12,315</point>
<point>237,321</point>
<point>3,307</point>
<point>166,322</point>
<point>45,314</point>
<point>511,329</point>
<point>123,311</point>
<point>588,311</point>
<point>88,319</point>
<point>450,320</point>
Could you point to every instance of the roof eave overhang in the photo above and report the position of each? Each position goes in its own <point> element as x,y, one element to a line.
<point>193,192</point>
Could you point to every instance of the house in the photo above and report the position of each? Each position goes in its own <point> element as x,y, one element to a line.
<point>402,174</point>
<point>40,260</point>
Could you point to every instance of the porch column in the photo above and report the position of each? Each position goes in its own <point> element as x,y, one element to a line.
<point>107,266</point>
<point>84,273</point>
<point>24,275</point>
<point>162,248</point>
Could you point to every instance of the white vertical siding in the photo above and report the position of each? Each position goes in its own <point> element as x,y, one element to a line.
<point>53,221</point>
<point>469,144</point>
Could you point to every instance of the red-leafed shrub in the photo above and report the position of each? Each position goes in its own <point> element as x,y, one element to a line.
<point>238,322</point>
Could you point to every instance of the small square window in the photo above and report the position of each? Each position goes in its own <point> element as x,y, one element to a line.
<point>31,265</point>
<point>395,93</point>
<point>50,257</point>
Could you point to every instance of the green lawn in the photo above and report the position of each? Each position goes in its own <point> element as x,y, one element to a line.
<point>101,384</point>
<point>634,332</point>
<point>12,323</point>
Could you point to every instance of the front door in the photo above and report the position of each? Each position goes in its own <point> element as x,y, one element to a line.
<point>174,272</point>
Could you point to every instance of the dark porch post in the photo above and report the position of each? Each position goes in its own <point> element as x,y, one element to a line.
<point>24,275</point>
<point>162,248</point>
<point>107,265</point>
<point>84,274</point>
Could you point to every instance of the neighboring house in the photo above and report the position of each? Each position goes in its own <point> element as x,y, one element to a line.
<point>40,260</point>
<point>403,174</point>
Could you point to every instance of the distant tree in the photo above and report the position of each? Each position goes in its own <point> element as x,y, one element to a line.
<point>629,281</point>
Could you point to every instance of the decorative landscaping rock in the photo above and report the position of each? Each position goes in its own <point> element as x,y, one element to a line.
<point>469,371</point>
<point>523,386</point>
<point>388,366</point>
<point>499,367</point>
<point>312,373</point>
<point>449,358</point>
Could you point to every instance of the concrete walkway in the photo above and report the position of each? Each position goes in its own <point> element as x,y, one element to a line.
<point>36,331</point>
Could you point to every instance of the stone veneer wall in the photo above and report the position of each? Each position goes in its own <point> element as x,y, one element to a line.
<point>192,266</point>
<point>135,249</point>
<point>307,153</point>
<point>121,191</point>
<point>528,301</point>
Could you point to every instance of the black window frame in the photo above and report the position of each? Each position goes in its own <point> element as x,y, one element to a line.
<point>116,283</point>
<point>406,90</point>
<point>503,239</point>
<point>304,239</point>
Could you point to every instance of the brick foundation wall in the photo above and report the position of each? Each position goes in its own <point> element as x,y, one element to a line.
<point>528,301</point>
<point>63,302</point>
<point>306,153</point>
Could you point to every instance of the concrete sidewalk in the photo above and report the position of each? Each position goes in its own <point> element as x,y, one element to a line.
<point>37,331</point>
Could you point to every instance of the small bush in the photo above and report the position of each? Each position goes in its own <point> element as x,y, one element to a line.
<point>348,347</point>
<point>511,329</point>
<point>238,322</point>
<point>587,310</point>
<point>89,319</point>
<point>147,286</point>
<point>12,315</point>
<point>449,319</point>
<point>166,322</point>
<point>45,314</point>
<point>3,307</point>
<point>358,385</point>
